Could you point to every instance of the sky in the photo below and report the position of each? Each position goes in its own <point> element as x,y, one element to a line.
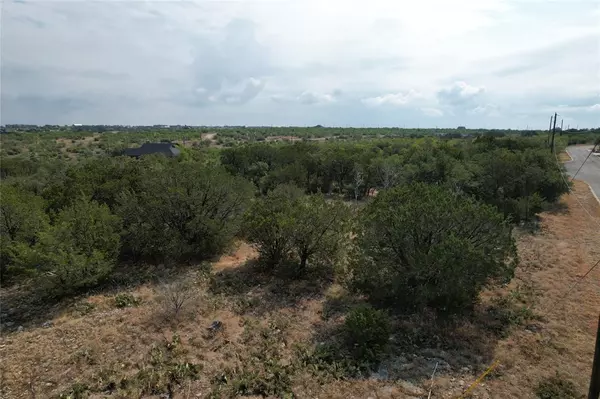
<point>375,63</point>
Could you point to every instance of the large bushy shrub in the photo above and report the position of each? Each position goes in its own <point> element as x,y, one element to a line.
<point>269,226</point>
<point>423,245</point>
<point>289,227</point>
<point>78,250</point>
<point>22,219</point>
<point>183,210</point>
<point>366,332</point>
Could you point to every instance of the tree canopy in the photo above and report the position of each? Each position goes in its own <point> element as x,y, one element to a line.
<point>423,245</point>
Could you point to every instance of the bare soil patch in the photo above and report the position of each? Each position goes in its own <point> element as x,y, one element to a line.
<point>240,254</point>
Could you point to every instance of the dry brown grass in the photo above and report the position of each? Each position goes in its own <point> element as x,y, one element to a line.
<point>241,253</point>
<point>552,261</point>
<point>93,343</point>
<point>564,156</point>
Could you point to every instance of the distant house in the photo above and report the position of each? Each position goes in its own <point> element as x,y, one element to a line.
<point>166,149</point>
<point>461,128</point>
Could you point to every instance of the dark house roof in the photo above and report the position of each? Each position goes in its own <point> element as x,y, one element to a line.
<point>167,149</point>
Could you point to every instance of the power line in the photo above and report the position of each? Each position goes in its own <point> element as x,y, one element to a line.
<point>591,217</point>
<point>553,133</point>
<point>581,279</point>
<point>571,191</point>
<point>584,161</point>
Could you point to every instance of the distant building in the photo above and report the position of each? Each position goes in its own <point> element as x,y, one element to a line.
<point>461,128</point>
<point>77,124</point>
<point>166,149</point>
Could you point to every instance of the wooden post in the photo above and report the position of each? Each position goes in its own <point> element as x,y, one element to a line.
<point>595,380</point>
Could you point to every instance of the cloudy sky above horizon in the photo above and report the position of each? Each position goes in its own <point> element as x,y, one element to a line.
<point>426,63</point>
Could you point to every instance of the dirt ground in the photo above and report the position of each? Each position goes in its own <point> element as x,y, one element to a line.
<point>90,340</point>
<point>551,263</point>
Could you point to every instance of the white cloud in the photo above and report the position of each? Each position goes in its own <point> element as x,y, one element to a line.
<point>433,112</point>
<point>486,109</point>
<point>460,93</point>
<point>594,108</point>
<point>309,98</point>
<point>395,99</point>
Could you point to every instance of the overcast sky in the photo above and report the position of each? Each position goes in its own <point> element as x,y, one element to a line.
<point>413,63</point>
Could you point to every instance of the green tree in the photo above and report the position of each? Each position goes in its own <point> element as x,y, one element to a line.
<point>289,226</point>
<point>268,224</point>
<point>322,230</point>
<point>88,226</point>
<point>22,214</point>
<point>183,210</point>
<point>367,332</point>
<point>79,250</point>
<point>101,180</point>
<point>423,245</point>
<point>22,219</point>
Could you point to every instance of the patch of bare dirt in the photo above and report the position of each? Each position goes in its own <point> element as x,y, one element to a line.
<point>241,253</point>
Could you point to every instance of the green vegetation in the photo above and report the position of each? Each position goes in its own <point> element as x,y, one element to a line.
<point>74,219</point>
<point>407,221</point>
<point>182,210</point>
<point>367,332</point>
<point>22,220</point>
<point>124,300</point>
<point>556,387</point>
<point>290,228</point>
<point>423,245</point>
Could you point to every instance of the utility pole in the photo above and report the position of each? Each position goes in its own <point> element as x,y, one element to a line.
<point>594,392</point>
<point>549,130</point>
<point>561,125</point>
<point>553,133</point>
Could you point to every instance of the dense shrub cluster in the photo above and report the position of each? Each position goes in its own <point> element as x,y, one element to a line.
<point>367,332</point>
<point>290,228</point>
<point>516,175</point>
<point>436,233</point>
<point>99,211</point>
<point>422,245</point>
<point>182,211</point>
